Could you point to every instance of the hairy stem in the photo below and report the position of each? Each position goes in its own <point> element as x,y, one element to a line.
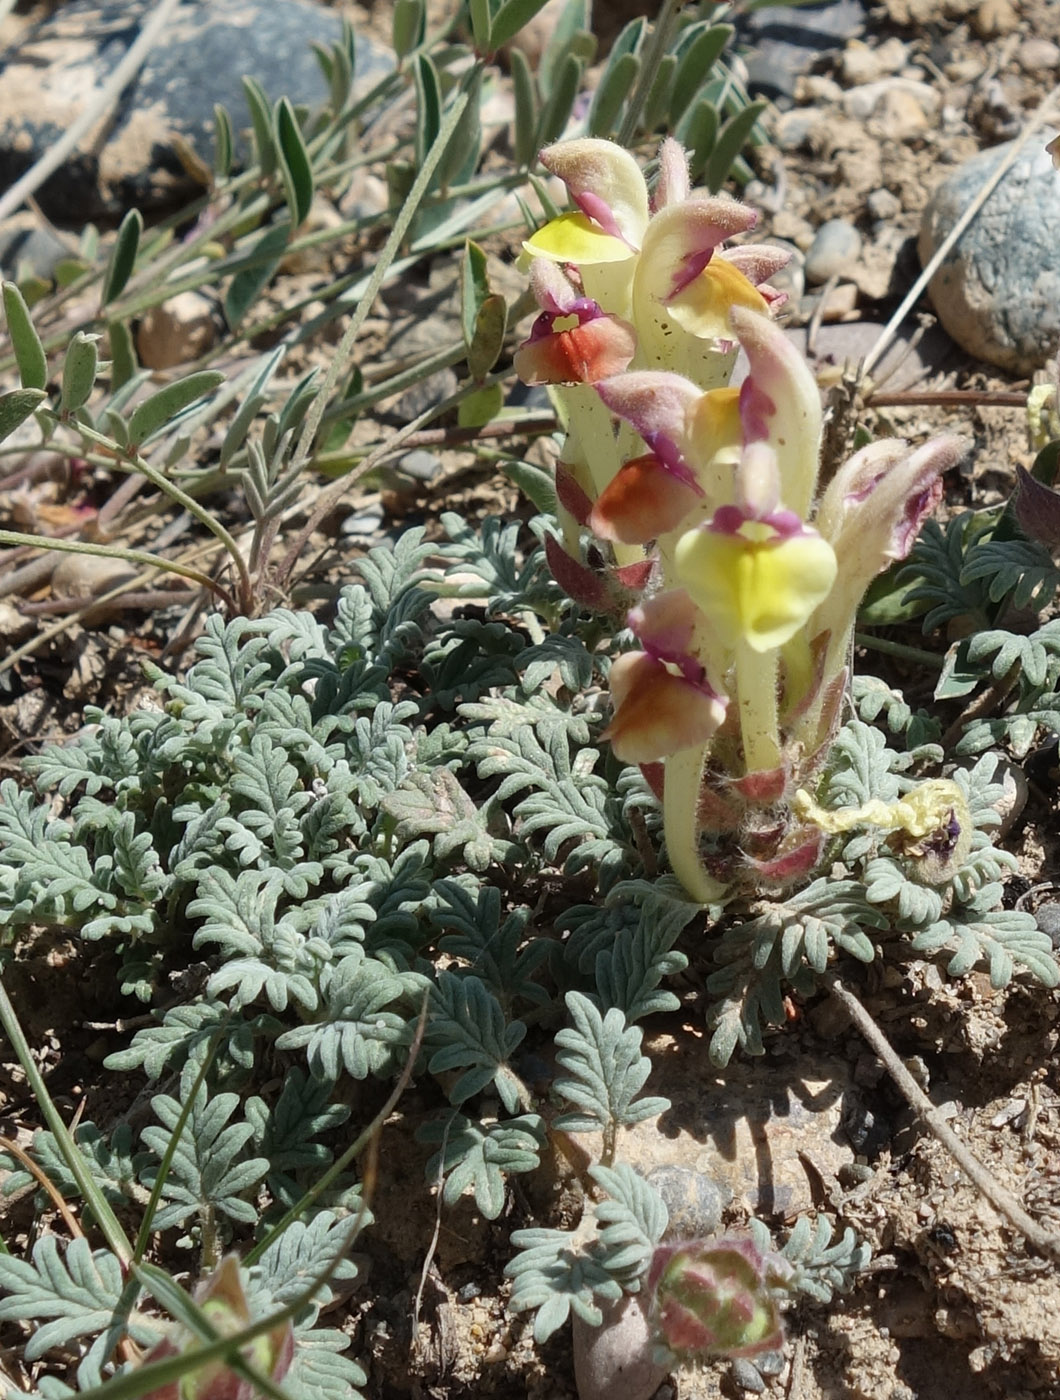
<point>756,683</point>
<point>681,787</point>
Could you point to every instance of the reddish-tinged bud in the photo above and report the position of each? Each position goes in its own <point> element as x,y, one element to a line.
<point>717,1297</point>
<point>642,501</point>
<point>224,1302</point>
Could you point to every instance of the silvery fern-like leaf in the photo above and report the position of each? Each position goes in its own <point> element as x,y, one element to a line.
<point>874,698</point>
<point>1017,571</point>
<point>605,1070</point>
<point>360,1034</point>
<point>563,653</point>
<point>552,1275</point>
<point>859,768</point>
<point>467,1031</point>
<point>110,1161</point>
<point>307,1249</point>
<point>822,1264</point>
<point>630,968</point>
<point>433,803</point>
<point>476,1156</point>
<point>321,1370</point>
<point>286,1131</point>
<point>504,717</point>
<point>208,1170</point>
<point>497,951</point>
<point>999,939</point>
<point>72,1294</point>
<point>633,1221</point>
<point>933,573</point>
<point>187,1031</point>
<point>505,577</point>
<point>469,659</point>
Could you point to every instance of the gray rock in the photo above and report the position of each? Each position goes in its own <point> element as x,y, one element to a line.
<point>1047,917</point>
<point>695,1203</point>
<point>882,204</point>
<point>784,41</point>
<point>617,1358</point>
<point>28,246</point>
<point>998,292</point>
<point>131,160</point>
<point>835,249</point>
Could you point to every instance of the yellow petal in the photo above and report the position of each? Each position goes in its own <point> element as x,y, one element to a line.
<point>702,308</point>
<point>572,238</point>
<point>758,590</point>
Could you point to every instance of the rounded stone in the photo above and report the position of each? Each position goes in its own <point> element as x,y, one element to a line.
<point>695,1203</point>
<point>997,293</point>
<point>834,250</point>
<point>1047,917</point>
<point>133,157</point>
<point>1038,56</point>
<point>617,1358</point>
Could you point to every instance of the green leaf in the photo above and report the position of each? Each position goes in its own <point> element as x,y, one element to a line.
<point>122,257</point>
<point>16,406</point>
<point>262,125</point>
<point>526,109</point>
<point>487,340</point>
<point>26,343</point>
<point>693,67</point>
<point>481,25</point>
<point>657,101</point>
<point>123,363</point>
<point>295,164</point>
<point>79,372</point>
<point>512,16</point>
<point>560,105</point>
<point>156,411</point>
<point>481,407</point>
<point>408,26</point>
<point>223,142</point>
<point>731,140</point>
<point>428,106</point>
<point>606,1070</point>
<point>698,133</point>
<point>615,86</point>
<point>461,155</point>
<point>475,1156</point>
<point>246,286</point>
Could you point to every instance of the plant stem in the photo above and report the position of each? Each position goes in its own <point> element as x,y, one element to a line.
<point>660,38</point>
<point>86,1184</point>
<point>756,684</point>
<point>339,362</point>
<point>682,780</point>
<point>129,556</point>
<point>1001,1199</point>
<point>917,655</point>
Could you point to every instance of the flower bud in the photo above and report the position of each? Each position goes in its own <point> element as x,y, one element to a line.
<point>717,1297</point>
<point>224,1302</point>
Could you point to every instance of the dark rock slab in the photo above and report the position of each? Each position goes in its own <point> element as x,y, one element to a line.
<point>131,159</point>
<point>782,41</point>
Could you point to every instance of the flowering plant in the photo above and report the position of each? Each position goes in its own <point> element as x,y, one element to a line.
<point>738,575</point>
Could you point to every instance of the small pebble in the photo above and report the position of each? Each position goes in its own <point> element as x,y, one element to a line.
<point>882,204</point>
<point>796,129</point>
<point>1047,917</point>
<point>420,465</point>
<point>747,1376</point>
<point>1038,56</point>
<point>179,330</point>
<point>839,303</point>
<point>860,103</point>
<point>834,248</point>
<point>899,116</point>
<point>862,64</point>
<point>815,87</point>
<point>994,18</point>
<point>694,1202</point>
